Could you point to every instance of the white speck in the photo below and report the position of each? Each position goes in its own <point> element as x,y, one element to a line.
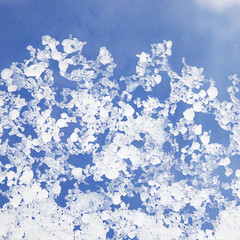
<point>198,129</point>
<point>116,199</point>
<point>140,219</point>
<point>12,88</point>
<point>212,92</point>
<point>63,65</point>
<point>43,194</point>
<point>189,114</point>
<point>143,57</point>
<point>15,201</point>
<point>64,115</point>
<point>202,94</point>
<point>26,178</point>
<point>195,146</point>
<point>47,112</point>
<point>14,114</point>
<point>128,110</point>
<point>123,152</point>
<point>77,172</point>
<point>56,55</point>
<point>224,162</point>
<point>158,79</point>
<point>74,137</point>
<point>112,174</point>
<point>197,106</point>
<point>46,137</point>
<point>155,160</point>
<point>205,138</point>
<point>28,195</point>
<point>35,70</point>
<point>228,172</point>
<point>6,73</point>
<point>4,225</point>
<point>61,123</point>
<point>56,188</point>
<point>104,56</point>
<point>1,102</point>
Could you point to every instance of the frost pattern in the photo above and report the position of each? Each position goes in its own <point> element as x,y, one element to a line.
<point>86,156</point>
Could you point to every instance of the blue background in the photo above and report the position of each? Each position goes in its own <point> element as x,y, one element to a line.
<point>127,27</point>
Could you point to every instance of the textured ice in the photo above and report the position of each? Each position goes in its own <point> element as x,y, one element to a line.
<point>101,161</point>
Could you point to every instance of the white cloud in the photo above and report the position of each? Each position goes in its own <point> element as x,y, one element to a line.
<point>218,5</point>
